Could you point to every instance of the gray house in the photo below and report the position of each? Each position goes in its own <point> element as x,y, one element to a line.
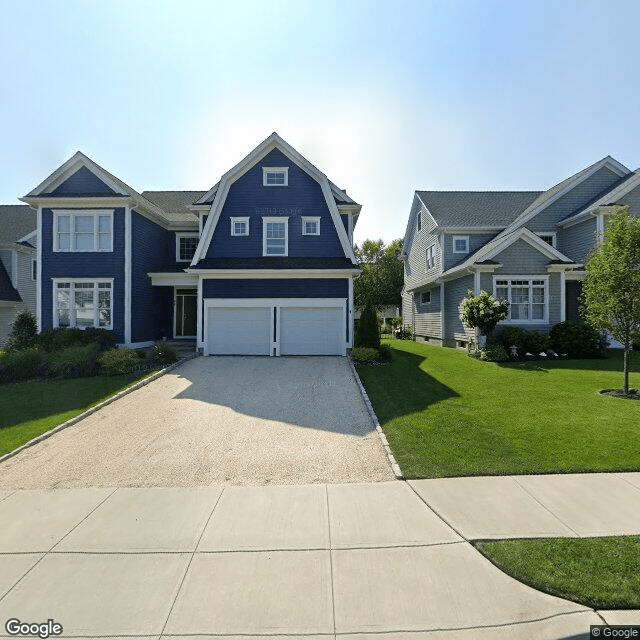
<point>528,247</point>
<point>17,264</point>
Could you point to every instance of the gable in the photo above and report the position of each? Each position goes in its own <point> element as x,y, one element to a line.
<point>522,258</point>
<point>82,183</point>
<point>248,197</point>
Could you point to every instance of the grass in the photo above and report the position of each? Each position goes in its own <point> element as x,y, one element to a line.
<point>602,573</point>
<point>29,409</point>
<point>446,414</point>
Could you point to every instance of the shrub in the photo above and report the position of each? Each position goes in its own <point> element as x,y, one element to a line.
<point>405,333</point>
<point>118,361</point>
<point>577,340</point>
<point>368,332</point>
<point>63,337</point>
<point>364,354</point>
<point>533,342</point>
<point>494,353</point>
<point>102,337</point>
<point>385,353</point>
<point>385,329</point>
<point>23,332</point>
<point>74,362</point>
<point>16,366</point>
<point>164,353</point>
<point>394,323</point>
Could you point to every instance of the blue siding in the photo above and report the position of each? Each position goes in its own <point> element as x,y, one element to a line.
<point>84,265</point>
<point>302,197</point>
<point>83,183</point>
<point>345,223</point>
<point>276,288</point>
<point>151,307</point>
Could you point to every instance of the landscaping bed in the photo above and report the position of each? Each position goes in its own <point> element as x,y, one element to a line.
<point>445,414</point>
<point>602,573</point>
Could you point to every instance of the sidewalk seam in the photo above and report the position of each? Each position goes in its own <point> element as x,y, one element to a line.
<point>544,506</point>
<point>94,408</point>
<point>395,467</point>
<point>333,598</point>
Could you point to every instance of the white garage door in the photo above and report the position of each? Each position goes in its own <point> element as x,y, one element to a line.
<point>312,331</point>
<point>239,331</point>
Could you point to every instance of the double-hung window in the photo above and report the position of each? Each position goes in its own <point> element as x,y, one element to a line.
<point>240,226</point>
<point>431,257</point>
<point>275,236</point>
<point>528,298</point>
<point>186,244</point>
<point>310,226</point>
<point>275,176</point>
<point>83,230</point>
<point>83,303</point>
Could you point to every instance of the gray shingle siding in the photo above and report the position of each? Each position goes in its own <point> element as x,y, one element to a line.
<point>476,241</point>
<point>577,241</point>
<point>427,315</point>
<point>521,259</point>
<point>416,272</point>
<point>572,201</point>
<point>454,291</point>
<point>633,200</point>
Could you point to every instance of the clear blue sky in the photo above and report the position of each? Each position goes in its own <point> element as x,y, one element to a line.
<point>384,97</point>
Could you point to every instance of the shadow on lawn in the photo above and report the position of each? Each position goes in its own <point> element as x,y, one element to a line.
<point>402,387</point>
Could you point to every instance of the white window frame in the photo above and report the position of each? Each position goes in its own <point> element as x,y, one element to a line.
<point>284,220</point>
<point>530,278</point>
<point>431,257</point>
<point>72,214</point>
<point>72,308</point>
<point>465,238</point>
<point>185,234</point>
<point>552,234</point>
<point>311,219</point>
<point>245,220</point>
<point>267,170</point>
<point>422,293</point>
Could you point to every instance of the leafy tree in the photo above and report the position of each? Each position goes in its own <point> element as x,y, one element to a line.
<point>483,312</point>
<point>611,290</point>
<point>23,332</point>
<point>382,277</point>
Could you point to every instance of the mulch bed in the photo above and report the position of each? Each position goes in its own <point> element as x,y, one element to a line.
<point>619,393</point>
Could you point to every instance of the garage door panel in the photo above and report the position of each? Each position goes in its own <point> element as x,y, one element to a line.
<point>312,331</point>
<point>239,331</point>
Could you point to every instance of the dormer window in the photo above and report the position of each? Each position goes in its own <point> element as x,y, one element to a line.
<point>549,238</point>
<point>310,226</point>
<point>275,176</point>
<point>240,226</point>
<point>186,244</point>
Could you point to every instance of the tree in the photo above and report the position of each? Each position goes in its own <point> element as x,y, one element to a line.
<point>382,277</point>
<point>368,331</point>
<point>23,332</point>
<point>611,290</point>
<point>483,312</point>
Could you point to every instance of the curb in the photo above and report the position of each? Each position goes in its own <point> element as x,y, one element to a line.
<point>395,467</point>
<point>104,403</point>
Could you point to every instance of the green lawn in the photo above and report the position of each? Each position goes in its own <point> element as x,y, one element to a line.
<point>446,414</point>
<point>28,409</point>
<point>603,573</point>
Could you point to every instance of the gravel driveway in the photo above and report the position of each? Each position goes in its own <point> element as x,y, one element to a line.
<point>217,420</point>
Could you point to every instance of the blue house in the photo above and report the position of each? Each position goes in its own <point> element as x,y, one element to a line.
<point>527,247</point>
<point>260,264</point>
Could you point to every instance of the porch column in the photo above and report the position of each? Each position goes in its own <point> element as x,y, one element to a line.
<point>199,340</point>
<point>563,296</point>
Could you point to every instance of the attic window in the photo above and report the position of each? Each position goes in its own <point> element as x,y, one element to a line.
<point>186,244</point>
<point>425,297</point>
<point>275,176</point>
<point>240,226</point>
<point>460,244</point>
<point>549,238</point>
<point>310,226</point>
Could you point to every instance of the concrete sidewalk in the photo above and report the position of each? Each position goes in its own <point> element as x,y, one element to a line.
<point>357,561</point>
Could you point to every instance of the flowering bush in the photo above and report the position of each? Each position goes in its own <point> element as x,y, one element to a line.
<point>482,312</point>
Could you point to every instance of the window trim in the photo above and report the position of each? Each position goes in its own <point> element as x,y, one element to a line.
<point>530,278</point>
<point>553,235</point>
<point>185,234</point>
<point>34,269</point>
<point>431,261</point>
<point>306,219</point>
<point>244,219</point>
<point>284,170</point>
<point>285,220</point>
<point>72,313</point>
<point>72,214</point>
<point>465,238</point>
<point>422,293</point>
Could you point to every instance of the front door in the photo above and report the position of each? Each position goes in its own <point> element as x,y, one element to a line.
<point>186,313</point>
